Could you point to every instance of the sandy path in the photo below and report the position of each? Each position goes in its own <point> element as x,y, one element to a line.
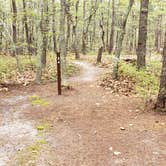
<point>89,72</point>
<point>15,131</point>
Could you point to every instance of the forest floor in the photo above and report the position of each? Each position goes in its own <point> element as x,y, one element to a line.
<point>86,126</point>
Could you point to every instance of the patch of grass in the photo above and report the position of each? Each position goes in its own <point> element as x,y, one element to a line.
<point>37,100</point>
<point>43,126</point>
<point>155,68</point>
<point>147,84</point>
<point>29,155</point>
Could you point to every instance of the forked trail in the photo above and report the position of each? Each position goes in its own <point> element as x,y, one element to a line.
<point>86,126</point>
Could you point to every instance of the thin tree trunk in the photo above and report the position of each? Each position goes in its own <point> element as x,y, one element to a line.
<point>111,44</point>
<point>120,38</point>
<point>161,101</point>
<point>42,39</point>
<point>45,30</point>
<point>142,40</point>
<point>54,26</point>
<point>77,55</point>
<point>14,25</point>
<point>1,41</point>
<point>26,27</point>
<point>62,40</point>
<point>86,27</point>
<point>14,28</point>
<point>107,30</point>
<point>67,10</point>
<point>158,34</point>
<point>83,31</point>
<point>99,56</point>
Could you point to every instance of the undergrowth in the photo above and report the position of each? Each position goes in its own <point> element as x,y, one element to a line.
<point>146,80</point>
<point>10,74</point>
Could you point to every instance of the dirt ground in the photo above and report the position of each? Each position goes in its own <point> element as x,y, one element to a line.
<point>86,126</point>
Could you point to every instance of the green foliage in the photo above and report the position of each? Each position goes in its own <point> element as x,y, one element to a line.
<point>147,83</point>
<point>7,65</point>
<point>9,72</point>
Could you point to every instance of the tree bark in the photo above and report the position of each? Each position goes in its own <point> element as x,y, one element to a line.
<point>158,34</point>
<point>142,39</point>
<point>62,40</point>
<point>42,40</point>
<point>68,16</point>
<point>120,38</point>
<point>14,26</point>
<point>107,29</point>
<point>1,37</point>
<point>161,101</point>
<point>111,44</point>
<point>77,55</point>
<point>54,26</point>
<point>99,56</point>
<point>26,27</point>
<point>44,30</point>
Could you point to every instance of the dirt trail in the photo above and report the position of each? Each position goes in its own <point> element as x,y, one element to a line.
<point>89,126</point>
<point>15,132</point>
<point>89,72</point>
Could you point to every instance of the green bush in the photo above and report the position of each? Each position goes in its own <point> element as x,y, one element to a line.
<point>147,84</point>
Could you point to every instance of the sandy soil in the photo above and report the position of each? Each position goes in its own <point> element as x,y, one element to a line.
<point>88,126</point>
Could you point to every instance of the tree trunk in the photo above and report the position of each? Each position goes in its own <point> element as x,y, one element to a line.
<point>26,27</point>
<point>99,56</point>
<point>53,26</point>
<point>86,27</point>
<point>42,39</point>
<point>62,40</point>
<point>83,31</point>
<point>120,38</point>
<point>111,44</point>
<point>158,34</point>
<point>14,26</point>
<point>77,56</point>
<point>44,30</point>
<point>107,29</point>
<point>1,41</point>
<point>67,10</point>
<point>143,22</point>
<point>161,101</point>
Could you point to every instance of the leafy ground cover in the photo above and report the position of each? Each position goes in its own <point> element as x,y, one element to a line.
<point>10,75</point>
<point>144,83</point>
